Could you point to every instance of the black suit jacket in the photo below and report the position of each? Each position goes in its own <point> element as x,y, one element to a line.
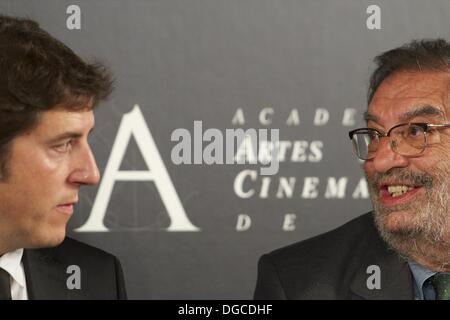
<point>334,266</point>
<point>46,272</point>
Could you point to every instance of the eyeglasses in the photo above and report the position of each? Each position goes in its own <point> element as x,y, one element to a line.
<point>406,139</point>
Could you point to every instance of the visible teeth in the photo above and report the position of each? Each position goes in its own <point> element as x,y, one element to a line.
<point>397,194</point>
<point>398,190</point>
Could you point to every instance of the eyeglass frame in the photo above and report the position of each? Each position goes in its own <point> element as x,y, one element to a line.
<point>425,126</point>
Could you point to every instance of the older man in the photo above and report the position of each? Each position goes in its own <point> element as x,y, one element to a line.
<point>47,94</point>
<point>401,250</point>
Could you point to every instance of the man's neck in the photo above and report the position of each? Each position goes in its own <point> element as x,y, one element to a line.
<point>434,257</point>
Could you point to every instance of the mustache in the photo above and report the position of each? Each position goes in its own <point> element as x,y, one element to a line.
<point>403,175</point>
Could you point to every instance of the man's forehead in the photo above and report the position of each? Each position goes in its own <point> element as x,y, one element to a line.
<point>408,83</point>
<point>405,94</point>
<point>60,120</point>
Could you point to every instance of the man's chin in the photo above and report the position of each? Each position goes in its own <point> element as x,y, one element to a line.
<point>399,222</point>
<point>47,241</point>
<point>397,226</point>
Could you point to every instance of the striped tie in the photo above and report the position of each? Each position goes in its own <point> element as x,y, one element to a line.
<point>441,284</point>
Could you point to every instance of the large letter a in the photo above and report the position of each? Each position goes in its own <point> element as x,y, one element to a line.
<point>133,123</point>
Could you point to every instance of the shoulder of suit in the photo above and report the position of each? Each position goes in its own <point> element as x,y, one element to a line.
<point>81,246</point>
<point>336,245</point>
<point>74,250</point>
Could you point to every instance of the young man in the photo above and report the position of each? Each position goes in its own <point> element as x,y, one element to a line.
<point>47,96</point>
<point>402,249</point>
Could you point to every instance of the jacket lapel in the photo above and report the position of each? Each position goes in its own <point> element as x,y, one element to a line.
<point>46,278</point>
<point>395,275</point>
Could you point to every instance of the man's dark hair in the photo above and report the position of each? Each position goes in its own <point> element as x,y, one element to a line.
<point>39,73</point>
<point>417,55</point>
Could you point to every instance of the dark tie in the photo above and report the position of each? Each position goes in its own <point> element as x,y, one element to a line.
<point>441,284</point>
<point>5,288</point>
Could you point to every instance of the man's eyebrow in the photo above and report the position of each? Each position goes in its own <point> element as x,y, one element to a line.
<point>66,135</point>
<point>69,135</point>
<point>370,117</point>
<point>426,110</point>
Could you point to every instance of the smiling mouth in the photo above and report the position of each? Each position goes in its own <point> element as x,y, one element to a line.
<point>397,193</point>
<point>398,190</point>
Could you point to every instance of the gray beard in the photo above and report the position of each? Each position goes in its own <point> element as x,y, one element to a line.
<point>428,235</point>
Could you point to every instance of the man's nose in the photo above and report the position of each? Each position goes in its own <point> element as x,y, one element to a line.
<point>386,158</point>
<point>85,170</point>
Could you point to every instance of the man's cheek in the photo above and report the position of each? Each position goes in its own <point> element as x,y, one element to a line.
<point>368,171</point>
<point>366,165</point>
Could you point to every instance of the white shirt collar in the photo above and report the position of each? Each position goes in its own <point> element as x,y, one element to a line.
<point>11,263</point>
